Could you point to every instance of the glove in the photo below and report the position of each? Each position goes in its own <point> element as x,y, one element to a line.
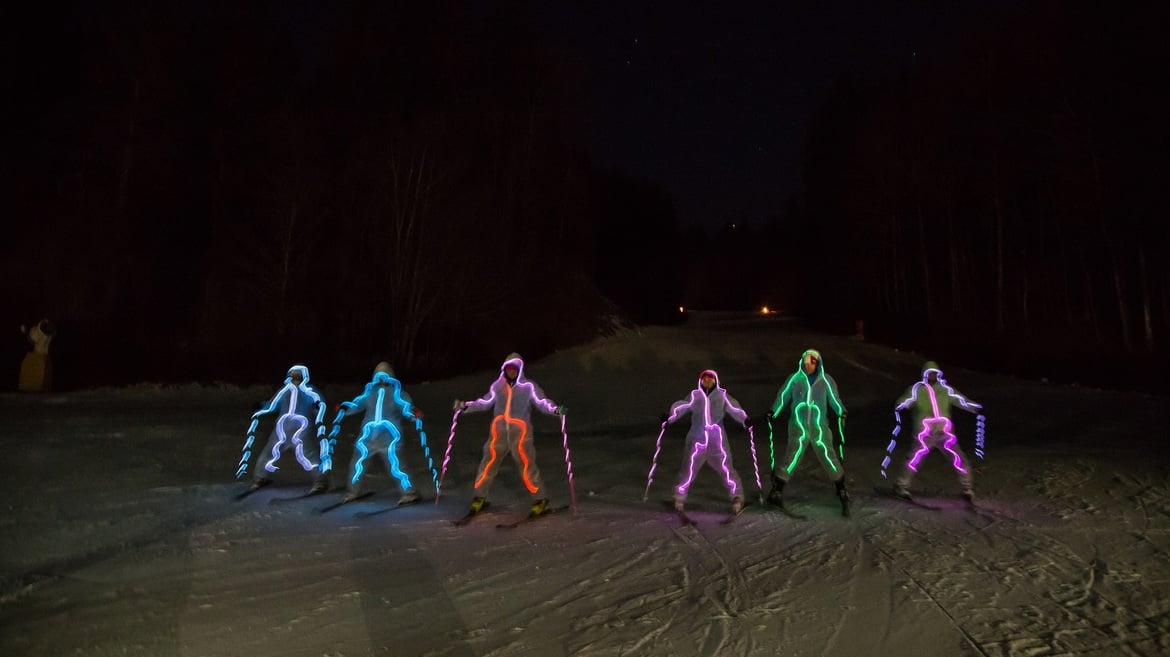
<point>662,419</point>
<point>561,410</point>
<point>748,423</point>
<point>416,412</point>
<point>459,405</point>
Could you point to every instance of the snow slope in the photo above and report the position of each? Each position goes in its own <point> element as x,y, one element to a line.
<point>121,536</point>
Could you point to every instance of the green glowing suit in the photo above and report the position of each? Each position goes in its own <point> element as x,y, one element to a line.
<point>810,398</point>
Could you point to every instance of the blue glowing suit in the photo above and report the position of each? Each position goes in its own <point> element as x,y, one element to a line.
<point>384,404</point>
<point>929,402</point>
<point>511,402</point>
<point>300,415</point>
<point>810,398</point>
<point>706,442</point>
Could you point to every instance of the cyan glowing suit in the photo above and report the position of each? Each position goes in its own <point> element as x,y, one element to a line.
<point>384,404</point>
<point>300,416</point>
<point>511,398</point>
<point>929,402</point>
<point>810,393</point>
<point>706,443</point>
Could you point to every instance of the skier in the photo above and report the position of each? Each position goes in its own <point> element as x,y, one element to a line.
<point>707,404</point>
<point>294,403</point>
<point>511,398</point>
<point>809,394</point>
<point>929,402</point>
<point>384,404</point>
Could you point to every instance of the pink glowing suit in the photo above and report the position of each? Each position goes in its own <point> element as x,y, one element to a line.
<point>705,441</point>
<point>511,428</point>
<point>294,405</point>
<point>930,405</point>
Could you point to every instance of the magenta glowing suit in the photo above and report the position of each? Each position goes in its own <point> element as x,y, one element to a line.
<point>706,442</point>
<point>929,402</point>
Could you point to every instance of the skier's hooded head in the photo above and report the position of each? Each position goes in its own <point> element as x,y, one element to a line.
<point>297,375</point>
<point>384,368</point>
<point>708,380</point>
<point>931,372</point>
<point>810,362</point>
<point>513,367</point>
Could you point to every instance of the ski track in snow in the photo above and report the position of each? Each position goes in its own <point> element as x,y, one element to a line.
<point>115,544</point>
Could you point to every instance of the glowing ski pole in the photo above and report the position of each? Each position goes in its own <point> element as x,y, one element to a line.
<point>569,466</point>
<point>755,463</point>
<point>422,436</point>
<point>447,456</point>
<point>654,463</point>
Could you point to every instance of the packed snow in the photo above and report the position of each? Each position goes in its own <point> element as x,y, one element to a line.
<point>121,535</point>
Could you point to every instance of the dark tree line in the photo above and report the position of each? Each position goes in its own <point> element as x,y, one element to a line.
<point>216,190</point>
<point>1009,200</point>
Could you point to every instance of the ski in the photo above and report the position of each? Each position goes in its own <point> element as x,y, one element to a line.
<point>530,517</point>
<point>250,490</point>
<point>296,498</point>
<point>335,505</point>
<point>470,515</point>
<point>908,500</point>
<point>790,513</point>
<point>685,519</point>
<point>367,514</point>
<point>730,518</point>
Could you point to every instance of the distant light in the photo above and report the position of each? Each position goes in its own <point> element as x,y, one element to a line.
<point>681,309</point>
<point>764,310</point>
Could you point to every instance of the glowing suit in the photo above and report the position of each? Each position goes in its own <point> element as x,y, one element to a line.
<point>384,404</point>
<point>929,402</point>
<point>511,402</point>
<point>706,442</point>
<point>294,405</point>
<point>810,397</point>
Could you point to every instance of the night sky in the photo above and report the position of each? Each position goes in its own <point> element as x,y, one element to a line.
<point>714,103</point>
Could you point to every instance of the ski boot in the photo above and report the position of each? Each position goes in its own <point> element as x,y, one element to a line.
<point>776,495</point>
<point>737,505</point>
<point>678,504</point>
<point>478,504</point>
<point>843,495</point>
<point>969,498</point>
<point>539,507</point>
<point>320,486</point>
<point>901,491</point>
<point>258,483</point>
<point>409,496</point>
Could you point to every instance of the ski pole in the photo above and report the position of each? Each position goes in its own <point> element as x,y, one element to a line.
<point>893,443</point>
<point>771,447</point>
<point>422,436</point>
<point>980,436</point>
<point>447,456</point>
<point>654,463</point>
<point>755,463</point>
<point>569,466</point>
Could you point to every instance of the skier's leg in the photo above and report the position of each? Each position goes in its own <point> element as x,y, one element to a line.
<point>822,446</point>
<point>357,465</point>
<point>959,462</point>
<point>267,457</point>
<point>524,454</point>
<point>493,451</point>
<point>392,462</point>
<point>792,453</point>
<point>719,458</point>
<point>693,459</point>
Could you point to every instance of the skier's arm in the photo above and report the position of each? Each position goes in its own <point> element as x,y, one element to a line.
<point>735,410</point>
<point>835,397</point>
<point>542,403</point>
<point>782,398</point>
<point>481,403</point>
<point>681,408</point>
